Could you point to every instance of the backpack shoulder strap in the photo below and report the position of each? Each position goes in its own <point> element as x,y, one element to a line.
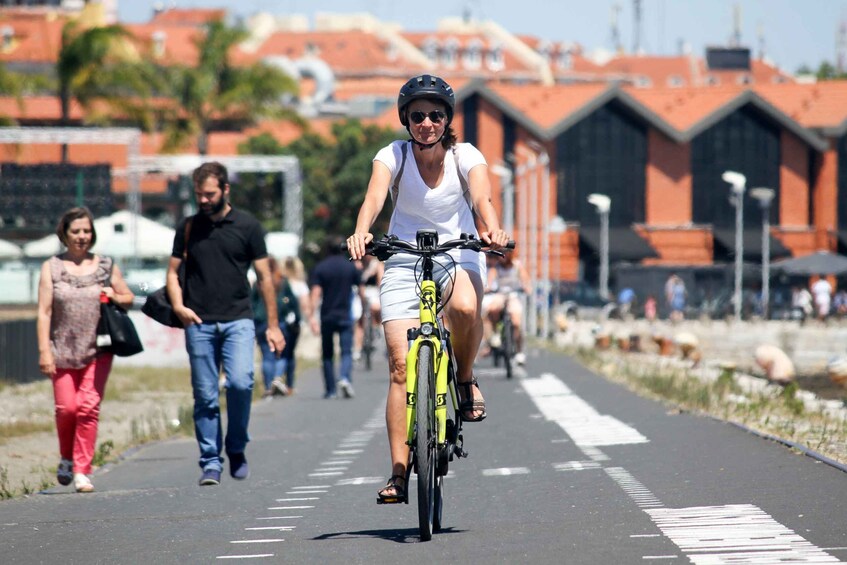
<point>463,181</point>
<point>395,188</point>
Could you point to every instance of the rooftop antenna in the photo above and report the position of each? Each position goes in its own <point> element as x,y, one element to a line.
<point>841,43</point>
<point>614,29</point>
<point>735,40</point>
<point>760,32</point>
<point>636,39</point>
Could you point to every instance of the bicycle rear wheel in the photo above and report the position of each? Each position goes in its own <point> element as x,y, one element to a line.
<point>425,440</point>
<point>368,339</point>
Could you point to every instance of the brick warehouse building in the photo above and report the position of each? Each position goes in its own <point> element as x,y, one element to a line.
<point>659,154</point>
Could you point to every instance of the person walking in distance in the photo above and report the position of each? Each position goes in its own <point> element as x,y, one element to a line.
<point>332,283</point>
<point>214,306</point>
<point>68,311</point>
<point>294,274</point>
<point>435,183</point>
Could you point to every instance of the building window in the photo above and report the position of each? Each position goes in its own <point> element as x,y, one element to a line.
<point>545,49</point>
<point>676,81</point>
<point>744,79</point>
<point>449,55</point>
<point>159,40</point>
<point>712,80</point>
<point>565,59</point>
<point>430,49</point>
<point>494,58</point>
<point>472,56</point>
<point>642,81</point>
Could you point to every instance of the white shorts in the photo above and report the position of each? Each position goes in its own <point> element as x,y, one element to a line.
<point>398,292</point>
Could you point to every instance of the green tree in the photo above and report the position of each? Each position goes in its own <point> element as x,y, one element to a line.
<point>215,93</point>
<point>826,71</point>
<point>335,175</point>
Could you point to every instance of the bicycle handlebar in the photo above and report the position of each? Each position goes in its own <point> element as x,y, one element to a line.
<point>390,245</point>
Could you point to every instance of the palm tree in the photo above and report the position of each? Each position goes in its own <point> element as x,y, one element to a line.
<point>216,91</point>
<point>99,64</point>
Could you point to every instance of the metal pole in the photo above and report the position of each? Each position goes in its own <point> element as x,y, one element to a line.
<point>766,260</point>
<point>739,250</point>
<point>533,245</point>
<point>543,163</point>
<point>604,254</point>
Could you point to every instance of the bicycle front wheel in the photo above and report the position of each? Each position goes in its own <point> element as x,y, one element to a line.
<point>425,440</point>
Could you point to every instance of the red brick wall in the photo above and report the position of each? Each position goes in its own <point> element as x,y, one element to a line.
<point>668,198</point>
<point>794,182</point>
<point>825,195</point>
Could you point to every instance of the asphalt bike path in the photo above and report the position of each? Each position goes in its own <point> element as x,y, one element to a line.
<point>567,468</point>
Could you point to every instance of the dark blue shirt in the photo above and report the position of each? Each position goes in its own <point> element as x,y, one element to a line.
<point>336,276</point>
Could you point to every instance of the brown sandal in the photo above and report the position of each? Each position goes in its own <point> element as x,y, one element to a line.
<point>469,405</point>
<point>399,495</point>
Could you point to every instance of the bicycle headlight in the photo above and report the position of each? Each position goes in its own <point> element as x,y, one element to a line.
<point>427,330</point>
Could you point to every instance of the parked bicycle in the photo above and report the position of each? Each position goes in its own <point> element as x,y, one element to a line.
<point>434,425</point>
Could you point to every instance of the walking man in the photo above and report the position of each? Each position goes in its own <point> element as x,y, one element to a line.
<point>218,245</point>
<point>332,283</point>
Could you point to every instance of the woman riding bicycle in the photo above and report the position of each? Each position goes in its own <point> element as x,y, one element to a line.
<point>506,276</point>
<point>426,175</point>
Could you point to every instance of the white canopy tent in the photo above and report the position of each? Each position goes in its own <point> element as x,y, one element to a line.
<point>9,250</point>
<point>114,238</point>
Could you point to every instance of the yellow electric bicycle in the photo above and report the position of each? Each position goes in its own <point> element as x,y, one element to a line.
<point>433,421</point>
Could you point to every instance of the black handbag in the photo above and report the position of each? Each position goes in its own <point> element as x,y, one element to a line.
<point>115,331</point>
<point>158,303</point>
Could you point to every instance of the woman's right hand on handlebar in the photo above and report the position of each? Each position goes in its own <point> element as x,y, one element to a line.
<point>356,244</point>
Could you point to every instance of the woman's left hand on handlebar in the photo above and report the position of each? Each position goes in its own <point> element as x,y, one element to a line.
<point>356,244</point>
<point>496,239</point>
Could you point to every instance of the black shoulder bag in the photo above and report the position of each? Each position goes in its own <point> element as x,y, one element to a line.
<point>158,304</point>
<point>115,331</point>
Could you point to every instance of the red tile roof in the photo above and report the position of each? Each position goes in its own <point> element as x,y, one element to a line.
<point>818,105</point>
<point>687,70</point>
<point>179,42</point>
<point>683,108</point>
<point>190,17</point>
<point>546,106</point>
<point>35,39</point>
<point>348,53</point>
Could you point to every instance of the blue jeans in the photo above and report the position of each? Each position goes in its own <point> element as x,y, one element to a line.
<point>285,364</point>
<point>211,346</point>
<point>345,337</point>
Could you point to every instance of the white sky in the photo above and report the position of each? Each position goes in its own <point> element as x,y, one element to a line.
<point>796,32</point>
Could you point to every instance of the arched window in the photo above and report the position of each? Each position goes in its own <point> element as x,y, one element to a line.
<point>676,81</point>
<point>449,56</point>
<point>472,56</point>
<point>494,58</point>
<point>430,49</point>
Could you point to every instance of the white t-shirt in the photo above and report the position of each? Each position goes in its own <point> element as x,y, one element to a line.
<point>443,208</point>
<point>822,291</point>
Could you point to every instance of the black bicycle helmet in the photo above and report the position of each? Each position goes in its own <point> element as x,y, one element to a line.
<point>425,86</point>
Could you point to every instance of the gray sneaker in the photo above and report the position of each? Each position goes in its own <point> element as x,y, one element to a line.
<point>346,388</point>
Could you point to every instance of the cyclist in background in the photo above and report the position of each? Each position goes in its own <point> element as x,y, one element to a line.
<point>507,275</point>
<point>443,186</point>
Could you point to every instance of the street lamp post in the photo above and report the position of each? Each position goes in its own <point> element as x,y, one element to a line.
<point>603,203</point>
<point>739,183</point>
<point>557,227</point>
<point>544,168</point>
<point>765,196</point>
<point>508,195</point>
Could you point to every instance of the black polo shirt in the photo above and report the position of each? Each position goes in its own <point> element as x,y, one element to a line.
<point>336,276</point>
<point>219,256</point>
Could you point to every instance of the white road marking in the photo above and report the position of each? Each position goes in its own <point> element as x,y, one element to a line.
<point>312,486</point>
<point>272,540</point>
<point>346,451</point>
<point>736,533</point>
<point>660,557</point>
<point>326,469</point>
<point>278,528</point>
<point>594,454</point>
<point>256,556</point>
<point>505,471</point>
<point>298,499</point>
<point>576,465</point>
<point>645,535</point>
<point>576,417</point>
<point>360,481</point>
<point>328,474</point>
<point>278,517</point>
<point>289,507</point>
<point>337,462</point>
<point>306,491</point>
<point>638,492</point>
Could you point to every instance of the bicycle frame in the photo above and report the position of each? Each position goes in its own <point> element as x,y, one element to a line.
<point>429,319</point>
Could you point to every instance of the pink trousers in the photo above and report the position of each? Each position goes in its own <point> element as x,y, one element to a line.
<point>78,393</point>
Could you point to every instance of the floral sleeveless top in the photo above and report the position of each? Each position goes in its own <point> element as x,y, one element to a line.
<point>76,311</point>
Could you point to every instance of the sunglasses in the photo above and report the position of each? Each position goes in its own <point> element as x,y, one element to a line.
<point>435,116</point>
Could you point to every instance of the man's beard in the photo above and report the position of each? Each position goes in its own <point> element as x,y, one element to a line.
<point>216,208</point>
